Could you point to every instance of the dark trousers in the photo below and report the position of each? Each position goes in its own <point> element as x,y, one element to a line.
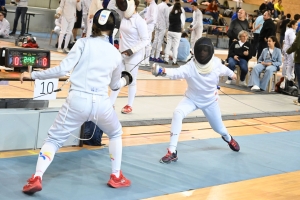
<point>255,43</point>
<point>297,72</point>
<point>261,46</point>
<point>281,40</point>
<point>243,66</point>
<point>20,11</point>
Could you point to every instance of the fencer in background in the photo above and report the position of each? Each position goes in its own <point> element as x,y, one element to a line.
<point>161,28</point>
<point>88,98</point>
<point>85,10</point>
<point>133,39</point>
<point>197,24</point>
<point>151,12</point>
<point>202,76</point>
<point>67,11</point>
<point>94,7</point>
<point>288,61</point>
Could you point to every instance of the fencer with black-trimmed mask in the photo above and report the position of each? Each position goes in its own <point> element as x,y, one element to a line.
<point>88,98</point>
<point>133,39</point>
<point>202,76</point>
<point>67,11</point>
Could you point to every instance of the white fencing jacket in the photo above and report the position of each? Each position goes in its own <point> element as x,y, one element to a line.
<point>163,16</point>
<point>289,38</point>
<point>133,33</point>
<point>69,7</point>
<point>202,88</point>
<point>96,64</point>
<point>197,20</point>
<point>151,13</point>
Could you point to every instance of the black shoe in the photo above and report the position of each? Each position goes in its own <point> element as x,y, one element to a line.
<point>12,33</point>
<point>169,157</point>
<point>234,146</point>
<point>165,62</point>
<point>175,64</point>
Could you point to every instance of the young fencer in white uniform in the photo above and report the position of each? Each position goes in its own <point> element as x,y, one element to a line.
<point>67,10</point>
<point>288,61</point>
<point>94,7</point>
<point>197,24</point>
<point>161,28</point>
<point>85,10</point>
<point>133,39</point>
<point>88,98</point>
<point>202,76</point>
<point>151,19</point>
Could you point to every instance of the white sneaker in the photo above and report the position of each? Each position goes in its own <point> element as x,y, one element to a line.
<point>66,50</point>
<point>243,83</point>
<point>60,50</point>
<point>255,88</point>
<point>228,82</point>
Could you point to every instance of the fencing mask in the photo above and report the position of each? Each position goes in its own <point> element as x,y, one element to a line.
<point>203,50</point>
<point>107,20</point>
<point>127,6</point>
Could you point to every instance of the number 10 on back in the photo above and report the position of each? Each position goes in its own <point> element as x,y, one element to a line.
<point>43,89</point>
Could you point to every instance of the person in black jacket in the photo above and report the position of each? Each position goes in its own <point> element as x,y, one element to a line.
<point>237,25</point>
<point>268,29</point>
<point>264,6</point>
<point>239,54</point>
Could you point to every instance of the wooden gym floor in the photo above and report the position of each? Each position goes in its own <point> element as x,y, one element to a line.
<point>283,186</point>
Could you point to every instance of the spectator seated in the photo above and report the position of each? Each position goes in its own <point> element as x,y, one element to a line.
<point>269,63</point>
<point>239,54</point>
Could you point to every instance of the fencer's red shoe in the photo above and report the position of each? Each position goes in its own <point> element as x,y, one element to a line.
<point>118,182</point>
<point>34,184</point>
<point>234,146</point>
<point>169,157</point>
<point>127,109</point>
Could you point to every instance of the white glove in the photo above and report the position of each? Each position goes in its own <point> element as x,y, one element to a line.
<point>158,70</point>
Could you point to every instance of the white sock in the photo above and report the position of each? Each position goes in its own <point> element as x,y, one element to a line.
<point>176,127</point>
<point>45,158</point>
<point>131,94</point>
<point>115,153</point>
<point>67,40</point>
<point>60,40</point>
<point>227,137</point>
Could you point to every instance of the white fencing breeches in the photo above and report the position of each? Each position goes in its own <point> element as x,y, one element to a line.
<point>150,28</point>
<point>67,26</point>
<point>79,108</point>
<point>195,35</point>
<point>288,66</point>
<point>186,106</point>
<point>172,42</point>
<point>157,42</point>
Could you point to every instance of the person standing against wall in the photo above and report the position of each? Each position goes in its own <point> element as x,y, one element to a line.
<point>268,29</point>
<point>21,10</point>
